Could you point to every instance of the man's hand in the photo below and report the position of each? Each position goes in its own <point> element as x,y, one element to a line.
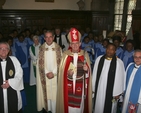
<point>85,68</point>
<point>70,72</point>
<point>5,85</point>
<point>50,75</point>
<point>116,97</point>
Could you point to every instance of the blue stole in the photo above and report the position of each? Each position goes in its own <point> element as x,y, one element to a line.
<point>136,85</point>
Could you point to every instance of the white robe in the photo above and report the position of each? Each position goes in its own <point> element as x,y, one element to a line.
<point>51,84</point>
<point>101,91</point>
<point>33,62</point>
<point>127,94</point>
<point>16,83</point>
<point>64,42</point>
<point>139,103</point>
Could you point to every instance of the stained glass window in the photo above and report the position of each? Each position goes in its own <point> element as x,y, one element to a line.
<point>131,6</point>
<point>118,14</point>
<point>119,6</point>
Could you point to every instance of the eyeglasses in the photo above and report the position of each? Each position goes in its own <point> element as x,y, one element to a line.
<point>4,49</point>
<point>135,57</point>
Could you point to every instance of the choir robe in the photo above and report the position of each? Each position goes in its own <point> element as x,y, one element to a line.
<point>83,36</point>
<point>33,51</point>
<point>90,50</point>
<point>15,40</point>
<point>127,57</point>
<point>63,103</point>
<point>97,45</point>
<point>100,51</point>
<point>92,43</point>
<point>119,52</point>
<point>132,87</point>
<point>41,39</point>
<point>16,83</point>
<point>118,86</point>
<point>22,53</point>
<point>48,61</point>
<point>28,41</point>
<point>13,50</point>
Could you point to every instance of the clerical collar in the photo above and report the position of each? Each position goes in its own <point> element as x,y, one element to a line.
<point>136,66</point>
<point>57,36</point>
<point>50,47</point>
<point>108,58</point>
<point>2,60</point>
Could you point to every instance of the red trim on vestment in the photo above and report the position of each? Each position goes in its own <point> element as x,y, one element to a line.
<point>68,60</point>
<point>87,81</point>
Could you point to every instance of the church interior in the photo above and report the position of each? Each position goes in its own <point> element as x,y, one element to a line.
<point>100,16</point>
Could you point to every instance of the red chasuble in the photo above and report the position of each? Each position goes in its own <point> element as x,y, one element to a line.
<point>74,99</point>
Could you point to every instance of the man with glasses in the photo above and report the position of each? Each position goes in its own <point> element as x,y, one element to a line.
<point>74,93</point>
<point>132,98</point>
<point>11,81</point>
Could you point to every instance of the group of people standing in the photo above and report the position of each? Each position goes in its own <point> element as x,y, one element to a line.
<point>66,81</point>
<point>79,88</point>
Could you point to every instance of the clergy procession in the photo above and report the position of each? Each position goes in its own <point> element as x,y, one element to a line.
<point>74,71</point>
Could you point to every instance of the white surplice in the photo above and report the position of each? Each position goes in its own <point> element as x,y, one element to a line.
<point>118,87</point>
<point>33,62</point>
<point>127,94</point>
<point>16,83</point>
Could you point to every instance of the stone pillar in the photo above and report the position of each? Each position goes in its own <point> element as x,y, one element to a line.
<point>2,2</point>
<point>138,5</point>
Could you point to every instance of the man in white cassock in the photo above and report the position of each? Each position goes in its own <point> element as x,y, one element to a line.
<point>107,81</point>
<point>11,81</point>
<point>132,97</point>
<point>47,69</point>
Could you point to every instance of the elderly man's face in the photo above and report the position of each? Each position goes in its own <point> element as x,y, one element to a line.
<point>4,50</point>
<point>137,58</point>
<point>75,46</point>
